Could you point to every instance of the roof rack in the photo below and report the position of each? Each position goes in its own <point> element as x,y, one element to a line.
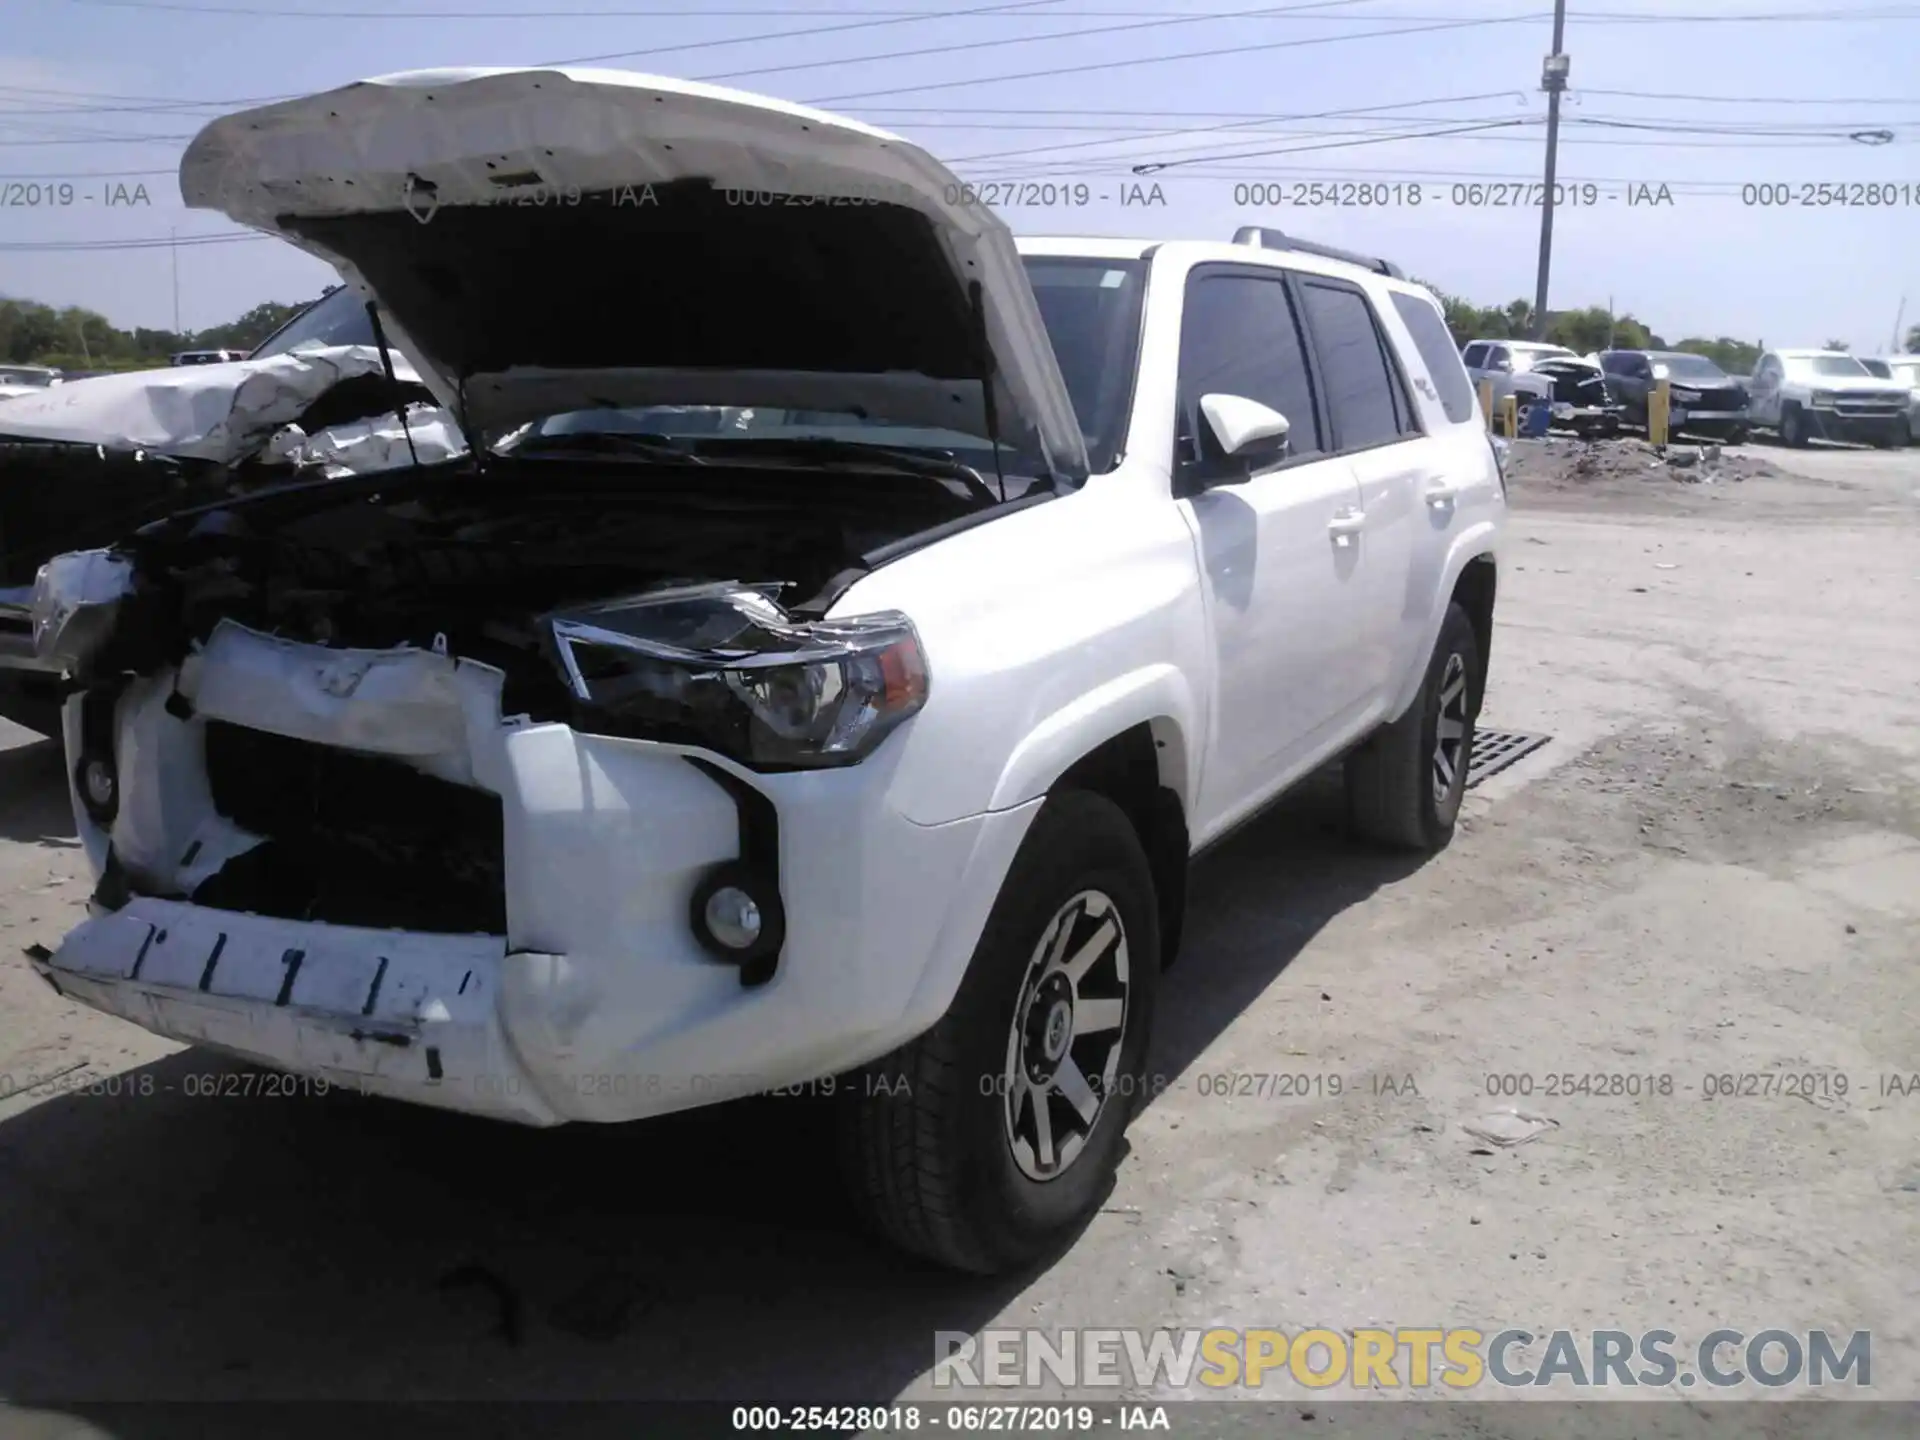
<point>1277,240</point>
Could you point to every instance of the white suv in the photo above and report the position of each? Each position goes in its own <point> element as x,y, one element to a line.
<point>807,680</point>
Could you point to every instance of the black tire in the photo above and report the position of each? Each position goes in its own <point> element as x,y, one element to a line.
<point>1738,435</point>
<point>1391,779</point>
<point>925,1139</point>
<point>1793,428</point>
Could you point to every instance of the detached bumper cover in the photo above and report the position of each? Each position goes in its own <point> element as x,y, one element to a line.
<point>382,1011</point>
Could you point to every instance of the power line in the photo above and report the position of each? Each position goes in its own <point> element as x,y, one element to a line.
<point>1186,19</point>
<point>1058,71</point>
<point>1605,17</point>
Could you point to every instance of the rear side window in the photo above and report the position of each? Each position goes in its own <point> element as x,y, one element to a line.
<point>1364,396</point>
<point>1429,329</point>
<point>1238,336</point>
<point>1475,355</point>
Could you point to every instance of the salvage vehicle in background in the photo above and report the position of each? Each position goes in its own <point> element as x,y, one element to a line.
<point>1703,398</point>
<point>26,380</point>
<point>84,463</point>
<point>1904,369</point>
<point>1573,388</point>
<point>1827,395</point>
<point>643,762</point>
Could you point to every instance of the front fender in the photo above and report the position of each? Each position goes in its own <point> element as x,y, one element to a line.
<point>1155,694</point>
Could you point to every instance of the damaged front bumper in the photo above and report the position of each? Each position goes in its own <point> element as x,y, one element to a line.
<point>586,995</point>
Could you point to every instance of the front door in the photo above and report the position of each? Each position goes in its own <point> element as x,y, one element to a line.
<point>1279,551</point>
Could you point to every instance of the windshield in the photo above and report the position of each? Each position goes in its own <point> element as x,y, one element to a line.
<point>1690,367</point>
<point>1827,365</point>
<point>336,319</point>
<point>1092,314</point>
<point>29,376</point>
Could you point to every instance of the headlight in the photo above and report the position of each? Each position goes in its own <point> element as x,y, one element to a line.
<point>1689,396</point>
<point>75,597</point>
<point>724,668</point>
<point>1821,397</point>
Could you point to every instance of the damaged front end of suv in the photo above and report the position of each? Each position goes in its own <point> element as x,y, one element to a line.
<point>515,782</point>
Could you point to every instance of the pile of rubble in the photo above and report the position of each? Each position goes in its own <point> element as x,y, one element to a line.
<point>1560,460</point>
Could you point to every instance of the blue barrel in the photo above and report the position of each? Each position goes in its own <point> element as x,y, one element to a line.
<point>1533,424</point>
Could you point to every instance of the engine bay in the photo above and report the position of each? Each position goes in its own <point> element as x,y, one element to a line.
<point>468,562</point>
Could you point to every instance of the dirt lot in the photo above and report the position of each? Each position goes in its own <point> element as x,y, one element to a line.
<point>1713,869</point>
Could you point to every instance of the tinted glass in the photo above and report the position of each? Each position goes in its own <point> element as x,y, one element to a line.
<point>1353,367</point>
<point>337,319</point>
<point>1239,337</point>
<point>1692,367</point>
<point>1476,355</point>
<point>1430,338</point>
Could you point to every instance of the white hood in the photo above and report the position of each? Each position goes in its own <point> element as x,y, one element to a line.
<point>554,239</point>
<point>224,413</point>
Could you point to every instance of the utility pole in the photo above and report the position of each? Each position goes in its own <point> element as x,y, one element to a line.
<point>1553,80</point>
<point>173,243</point>
<point>1898,338</point>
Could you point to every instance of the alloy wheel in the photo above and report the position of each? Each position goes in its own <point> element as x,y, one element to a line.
<point>1063,1049</point>
<point>1450,730</point>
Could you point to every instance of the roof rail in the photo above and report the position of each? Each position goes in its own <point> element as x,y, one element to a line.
<point>1277,240</point>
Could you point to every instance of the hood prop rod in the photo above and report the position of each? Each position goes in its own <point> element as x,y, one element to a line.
<point>386,363</point>
<point>977,296</point>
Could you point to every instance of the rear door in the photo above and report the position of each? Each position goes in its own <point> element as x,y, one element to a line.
<point>1278,559</point>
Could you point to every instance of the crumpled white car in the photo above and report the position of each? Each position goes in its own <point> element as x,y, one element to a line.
<point>843,628</point>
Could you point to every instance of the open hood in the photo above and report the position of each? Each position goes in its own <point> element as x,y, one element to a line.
<point>547,240</point>
<point>224,413</point>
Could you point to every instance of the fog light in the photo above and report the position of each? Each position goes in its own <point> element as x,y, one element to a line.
<point>99,787</point>
<point>737,917</point>
<point>732,918</point>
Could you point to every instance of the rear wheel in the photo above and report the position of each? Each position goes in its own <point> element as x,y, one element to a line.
<point>992,1137</point>
<point>1737,435</point>
<point>1405,784</point>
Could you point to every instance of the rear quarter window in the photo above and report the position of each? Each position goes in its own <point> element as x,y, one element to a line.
<point>1429,330</point>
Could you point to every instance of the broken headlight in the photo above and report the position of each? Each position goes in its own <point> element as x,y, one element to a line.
<point>724,668</point>
<point>75,599</point>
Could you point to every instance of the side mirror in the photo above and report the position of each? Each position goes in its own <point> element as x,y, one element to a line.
<point>1245,428</point>
<point>1240,436</point>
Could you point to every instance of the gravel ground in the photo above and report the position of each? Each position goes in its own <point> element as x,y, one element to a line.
<point>1712,869</point>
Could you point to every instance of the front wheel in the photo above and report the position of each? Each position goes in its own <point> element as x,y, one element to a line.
<point>1405,784</point>
<point>1738,435</point>
<point>1793,428</point>
<point>992,1138</point>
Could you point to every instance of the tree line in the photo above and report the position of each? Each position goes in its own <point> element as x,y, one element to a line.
<point>78,339</point>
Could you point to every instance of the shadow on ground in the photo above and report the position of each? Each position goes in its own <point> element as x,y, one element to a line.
<point>167,1243</point>
<point>34,808</point>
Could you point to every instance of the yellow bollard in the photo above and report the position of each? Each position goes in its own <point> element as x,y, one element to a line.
<point>1510,416</point>
<point>1486,402</point>
<point>1659,408</point>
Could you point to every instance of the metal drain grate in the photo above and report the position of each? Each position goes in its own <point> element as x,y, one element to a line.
<point>1495,750</point>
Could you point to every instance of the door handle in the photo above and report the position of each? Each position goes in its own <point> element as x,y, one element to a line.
<point>1440,494</point>
<point>1346,524</point>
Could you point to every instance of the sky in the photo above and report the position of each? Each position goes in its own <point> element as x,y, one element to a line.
<point>1707,113</point>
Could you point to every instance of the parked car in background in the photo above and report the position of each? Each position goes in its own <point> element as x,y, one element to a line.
<point>205,357</point>
<point>1904,369</point>
<point>87,461</point>
<point>661,767</point>
<point>1705,400</point>
<point>1572,387</point>
<point>1827,395</point>
<point>26,379</point>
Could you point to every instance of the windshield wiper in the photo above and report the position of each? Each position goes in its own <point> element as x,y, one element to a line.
<point>625,442</point>
<point>827,448</point>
